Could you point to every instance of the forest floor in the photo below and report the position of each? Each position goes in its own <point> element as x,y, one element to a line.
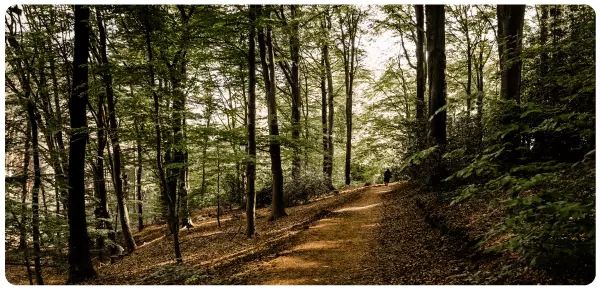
<point>367,235</point>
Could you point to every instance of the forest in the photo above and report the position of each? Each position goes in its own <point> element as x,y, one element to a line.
<point>247,144</point>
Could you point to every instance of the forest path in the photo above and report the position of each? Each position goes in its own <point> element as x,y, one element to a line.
<point>333,250</point>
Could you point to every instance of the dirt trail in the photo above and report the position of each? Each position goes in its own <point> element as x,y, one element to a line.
<point>334,250</point>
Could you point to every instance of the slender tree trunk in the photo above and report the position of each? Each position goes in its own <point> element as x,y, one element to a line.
<point>306,130</point>
<point>36,188</point>
<point>480,95</point>
<point>60,177</point>
<point>80,265</point>
<point>278,207</point>
<point>352,19</point>
<point>114,137</point>
<point>24,192</point>
<point>161,172</point>
<point>543,54</point>
<point>469,75</point>
<point>324,116</point>
<point>179,148</point>
<point>251,116</point>
<point>420,105</point>
<point>296,100</point>
<point>101,211</point>
<point>330,103</point>
<point>218,188</point>
<point>139,178</point>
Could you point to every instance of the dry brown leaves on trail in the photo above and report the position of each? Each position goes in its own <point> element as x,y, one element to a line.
<point>208,250</point>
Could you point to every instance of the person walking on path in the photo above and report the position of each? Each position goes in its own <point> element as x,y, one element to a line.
<point>387,176</point>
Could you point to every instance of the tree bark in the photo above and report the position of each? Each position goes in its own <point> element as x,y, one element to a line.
<point>173,223</point>
<point>543,54</point>
<point>324,114</point>
<point>510,34</point>
<point>24,192</point>
<point>349,54</point>
<point>277,205</point>
<point>34,193</point>
<point>114,137</point>
<point>420,105</point>
<point>80,265</point>
<point>330,103</point>
<point>138,174</point>
<point>296,100</point>
<point>251,116</point>
<point>436,42</point>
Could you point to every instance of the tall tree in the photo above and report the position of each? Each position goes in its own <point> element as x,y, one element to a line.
<point>349,19</point>
<point>114,137</point>
<point>37,179</point>
<point>436,45</point>
<point>421,74</point>
<point>23,69</point>
<point>268,71</point>
<point>80,264</point>
<point>138,174</point>
<point>330,98</point>
<point>436,42</point>
<point>510,39</point>
<point>293,78</point>
<point>251,116</point>
<point>172,221</point>
<point>101,211</point>
<point>24,193</point>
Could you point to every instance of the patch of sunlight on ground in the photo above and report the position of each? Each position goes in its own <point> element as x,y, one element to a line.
<point>291,262</point>
<point>327,222</point>
<point>383,192</point>
<point>146,244</point>
<point>295,281</point>
<point>352,209</point>
<point>317,245</point>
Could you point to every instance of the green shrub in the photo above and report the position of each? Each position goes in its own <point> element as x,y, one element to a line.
<point>309,185</point>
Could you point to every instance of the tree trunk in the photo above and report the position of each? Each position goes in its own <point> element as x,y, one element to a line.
<point>349,54</point>
<point>510,34</point>
<point>330,103</point>
<point>218,188</point>
<point>22,228</point>
<point>179,146</point>
<point>543,54</point>
<point>324,115</point>
<point>436,42</point>
<point>277,206</point>
<point>296,101</point>
<point>60,177</point>
<point>139,178</point>
<point>80,265</point>
<point>174,224</point>
<point>306,130</point>
<point>101,211</point>
<point>34,193</point>
<point>480,64</point>
<point>437,88</point>
<point>469,76</point>
<point>251,116</point>
<point>420,105</point>
<point>114,137</point>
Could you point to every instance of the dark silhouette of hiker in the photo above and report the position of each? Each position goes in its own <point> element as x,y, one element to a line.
<point>387,176</point>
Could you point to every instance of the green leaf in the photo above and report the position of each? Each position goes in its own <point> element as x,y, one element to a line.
<point>536,110</point>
